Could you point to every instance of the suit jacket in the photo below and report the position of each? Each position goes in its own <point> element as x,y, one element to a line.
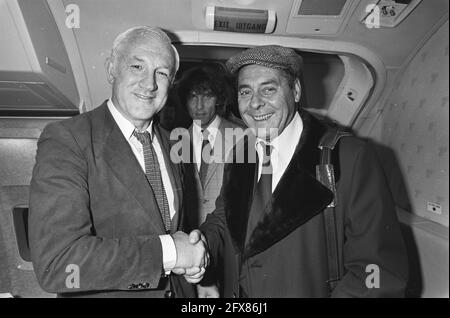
<point>201,199</point>
<point>92,207</point>
<point>285,255</point>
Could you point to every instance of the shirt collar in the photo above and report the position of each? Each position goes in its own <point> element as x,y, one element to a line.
<point>283,145</point>
<point>212,128</point>
<point>125,126</point>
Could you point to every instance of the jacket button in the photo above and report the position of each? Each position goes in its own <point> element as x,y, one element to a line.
<point>169,294</point>
<point>256,264</point>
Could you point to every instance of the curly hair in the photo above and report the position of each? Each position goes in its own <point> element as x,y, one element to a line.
<point>206,79</point>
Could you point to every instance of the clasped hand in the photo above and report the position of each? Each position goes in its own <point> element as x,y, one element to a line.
<point>192,255</point>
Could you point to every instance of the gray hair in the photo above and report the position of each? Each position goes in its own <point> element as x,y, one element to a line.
<point>140,32</point>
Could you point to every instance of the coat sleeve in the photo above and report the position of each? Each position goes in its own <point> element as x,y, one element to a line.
<point>67,254</point>
<point>214,229</point>
<point>374,255</point>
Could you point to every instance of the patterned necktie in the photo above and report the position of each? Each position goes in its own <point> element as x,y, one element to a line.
<point>205,156</point>
<point>263,190</point>
<point>153,174</point>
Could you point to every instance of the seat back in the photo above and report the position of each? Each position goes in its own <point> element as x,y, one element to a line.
<point>17,157</point>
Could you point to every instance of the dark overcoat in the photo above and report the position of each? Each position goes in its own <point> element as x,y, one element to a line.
<point>285,255</point>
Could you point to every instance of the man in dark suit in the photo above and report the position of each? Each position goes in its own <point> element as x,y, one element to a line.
<point>269,219</point>
<point>106,201</point>
<point>206,94</point>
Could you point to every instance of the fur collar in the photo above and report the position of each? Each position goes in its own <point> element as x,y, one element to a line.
<point>297,198</point>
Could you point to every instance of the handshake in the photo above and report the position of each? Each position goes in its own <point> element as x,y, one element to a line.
<point>192,255</point>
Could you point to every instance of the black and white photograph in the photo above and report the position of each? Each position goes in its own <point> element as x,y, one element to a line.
<point>243,150</point>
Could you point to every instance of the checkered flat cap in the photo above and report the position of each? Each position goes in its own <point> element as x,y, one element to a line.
<point>272,56</point>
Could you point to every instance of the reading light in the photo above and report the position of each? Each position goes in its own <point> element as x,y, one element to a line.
<point>240,20</point>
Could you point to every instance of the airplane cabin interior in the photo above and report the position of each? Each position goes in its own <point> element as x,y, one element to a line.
<point>378,67</point>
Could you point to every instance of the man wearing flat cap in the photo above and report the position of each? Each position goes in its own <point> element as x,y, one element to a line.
<point>281,228</point>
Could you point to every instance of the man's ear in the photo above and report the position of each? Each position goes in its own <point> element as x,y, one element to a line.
<point>297,90</point>
<point>110,70</point>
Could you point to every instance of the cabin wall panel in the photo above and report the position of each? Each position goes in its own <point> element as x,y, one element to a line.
<point>18,144</point>
<point>414,123</point>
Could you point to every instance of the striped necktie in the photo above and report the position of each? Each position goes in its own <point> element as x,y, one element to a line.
<point>263,190</point>
<point>205,156</point>
<point>153,174</point>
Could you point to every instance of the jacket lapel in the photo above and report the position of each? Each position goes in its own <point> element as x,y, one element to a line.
<point>219,148</point>
<point>223,141</point>
<point>120,158</point>
<point>297,198</point>
<point>174,174</point>
<point>238,190</point>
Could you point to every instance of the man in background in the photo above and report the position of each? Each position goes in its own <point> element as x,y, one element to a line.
<point>206,95</point>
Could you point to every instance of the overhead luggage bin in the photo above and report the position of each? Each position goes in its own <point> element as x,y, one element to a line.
<point>35,71</point>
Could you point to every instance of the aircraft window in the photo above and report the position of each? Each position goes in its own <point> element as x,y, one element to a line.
<point>20,219</point>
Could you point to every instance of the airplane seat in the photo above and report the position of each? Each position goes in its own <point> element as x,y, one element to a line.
<point>414,125</point>
<point>17,157</point>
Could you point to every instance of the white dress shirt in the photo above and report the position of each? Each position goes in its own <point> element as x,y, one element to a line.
<point>283,149</point>
<point>127,129</point>
<point>197,137</point>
